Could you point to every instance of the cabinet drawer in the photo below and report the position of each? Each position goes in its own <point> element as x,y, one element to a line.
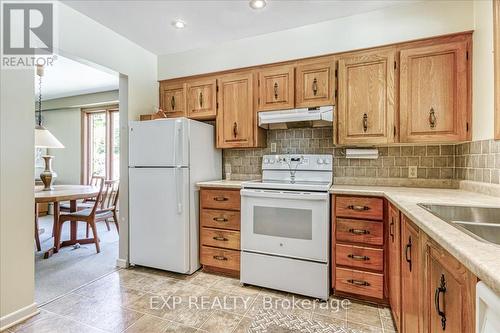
<point>228,259</point>
<point>359,231</point>
<point>220,199</point>
<point>220,238</point>
<point>223,219</point>
<point>359,282</point>
<point>360,207</point>
<point>360,257</point>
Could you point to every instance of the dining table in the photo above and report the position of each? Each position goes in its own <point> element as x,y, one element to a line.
<point>58,194</point>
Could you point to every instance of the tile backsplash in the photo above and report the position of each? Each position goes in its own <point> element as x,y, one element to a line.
<point>437,165</point>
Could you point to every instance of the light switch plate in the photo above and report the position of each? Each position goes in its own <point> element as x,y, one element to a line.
<point>273,147</point>
<point>412,171</point>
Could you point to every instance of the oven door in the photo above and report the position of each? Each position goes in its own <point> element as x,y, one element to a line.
<point>285,223</point>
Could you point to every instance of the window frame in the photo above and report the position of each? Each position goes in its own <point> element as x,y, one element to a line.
<point>86,140</point>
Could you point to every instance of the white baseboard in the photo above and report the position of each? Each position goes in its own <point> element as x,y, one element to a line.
<point>18,316</point>
<point>122,263</point>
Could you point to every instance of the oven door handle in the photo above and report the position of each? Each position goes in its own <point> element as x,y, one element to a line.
<point>312,196</point>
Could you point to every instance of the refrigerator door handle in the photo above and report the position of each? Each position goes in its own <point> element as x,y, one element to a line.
<point>177,141</point>
<point>178,189</point>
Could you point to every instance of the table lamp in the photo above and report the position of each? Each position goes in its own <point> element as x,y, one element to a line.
<point>45,139</point>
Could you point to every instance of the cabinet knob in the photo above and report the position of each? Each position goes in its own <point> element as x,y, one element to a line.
<point>172,102</point>
<point>221,199</point>
<point>358,208</point>
<point>358,282</point>
<point>221,239</point>
<point>432,118</point>
<point>437,304</point>
<point>358,257</point>
<point>315,87</point>
<point>220,219</point>
<point>235,129</point>
<point>359,231</point>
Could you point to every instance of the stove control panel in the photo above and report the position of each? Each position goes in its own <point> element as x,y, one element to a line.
<point>297,162</point>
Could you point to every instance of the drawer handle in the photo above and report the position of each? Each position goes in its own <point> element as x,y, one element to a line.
<point>358,208</point>
<point>356,257</point>
<point>359,231</point>
<point>220,219</point>
<point>358,282</point>
<point>222,239</point>
<point>221,199</point>
<point>222,258</point>
<point>365,122</point>
<point>275,90</point>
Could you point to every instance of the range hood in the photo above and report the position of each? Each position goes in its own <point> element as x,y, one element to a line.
<point>294,118</point>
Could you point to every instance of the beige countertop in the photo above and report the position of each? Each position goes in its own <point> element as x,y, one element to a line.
<point>482,258</point>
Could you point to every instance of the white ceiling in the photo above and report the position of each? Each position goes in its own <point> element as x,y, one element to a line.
<point>148,23</point>
<point>69,78</point>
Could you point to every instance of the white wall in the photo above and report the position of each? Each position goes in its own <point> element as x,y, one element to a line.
<point>83,39</point>
<point>16,194</point>
<point>391,25</point>
<point>483,87</point>
<point>65,124</point>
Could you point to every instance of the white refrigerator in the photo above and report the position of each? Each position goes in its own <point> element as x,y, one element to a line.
<point>167,158</point>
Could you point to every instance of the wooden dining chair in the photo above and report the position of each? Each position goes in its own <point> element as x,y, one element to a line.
<point>109,203</point>
<point>87,215</point>
<point>86,203</point>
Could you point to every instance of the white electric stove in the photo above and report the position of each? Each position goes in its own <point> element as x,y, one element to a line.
<point>285,225</point>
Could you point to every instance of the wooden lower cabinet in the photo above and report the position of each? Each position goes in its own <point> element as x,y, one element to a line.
<point>220,230</point>
<point>437,291</point>
<point>449,292</point>
<point>394,266</point>
<point>411,267</point>
<point>358,247</point>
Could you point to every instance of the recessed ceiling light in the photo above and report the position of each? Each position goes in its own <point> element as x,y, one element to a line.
<point>179,24</point>
<point>258,4</point>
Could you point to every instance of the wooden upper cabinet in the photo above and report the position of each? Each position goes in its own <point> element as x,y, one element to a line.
<point>394,266</point>
<point>450,293</point>
<point>434,93</point>
<point>236,116</point>
<point>315,84</point>
<point>366,98</point>
<point>276,88</point>
<point>173,99</point>
<point>202,99</point>
<point>411,276</point>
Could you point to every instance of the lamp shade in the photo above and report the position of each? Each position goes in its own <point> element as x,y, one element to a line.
<point>45,139</point>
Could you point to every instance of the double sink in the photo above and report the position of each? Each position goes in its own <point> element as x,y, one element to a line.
<point>482,223</point>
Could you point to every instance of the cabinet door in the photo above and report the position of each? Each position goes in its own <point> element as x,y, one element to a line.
<point>236,116</point>
<point>394,267</point>
<point>450,293</point>
<point>366,99</point>
<point>202,99</point>
<point>315,84</point>
<point>173,99</point>
<point>276,88</point>
<point>434,93</point>
<point>411,310</point>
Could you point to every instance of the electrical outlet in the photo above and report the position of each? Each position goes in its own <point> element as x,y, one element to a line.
<point>273,147</point>
<point>412,171</point>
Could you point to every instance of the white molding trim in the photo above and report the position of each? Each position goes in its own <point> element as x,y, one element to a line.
<point>122,263</point>
<point>18,316</point>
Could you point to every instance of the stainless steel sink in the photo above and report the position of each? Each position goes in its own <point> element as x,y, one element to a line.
<point>482,223</point>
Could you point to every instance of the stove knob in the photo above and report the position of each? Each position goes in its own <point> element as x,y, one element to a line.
<point>271,161</point>
<point>320,161</point>
<point>327,161</point>
<point>266,161</point>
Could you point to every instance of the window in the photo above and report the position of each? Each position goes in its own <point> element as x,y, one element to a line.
<point>101,142</point>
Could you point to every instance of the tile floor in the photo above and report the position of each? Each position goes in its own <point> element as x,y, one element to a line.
<point>146,300</point>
